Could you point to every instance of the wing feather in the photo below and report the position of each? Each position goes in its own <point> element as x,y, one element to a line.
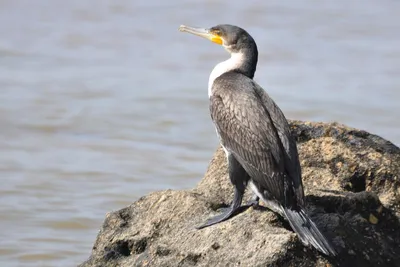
<point>254,129</point>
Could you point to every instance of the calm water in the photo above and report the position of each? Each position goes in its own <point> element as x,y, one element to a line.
<point>102,101</point>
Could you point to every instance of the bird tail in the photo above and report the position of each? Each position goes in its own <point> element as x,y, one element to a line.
<point>307,231</point>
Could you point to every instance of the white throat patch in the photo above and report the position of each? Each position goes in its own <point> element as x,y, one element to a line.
<point>235,61</point>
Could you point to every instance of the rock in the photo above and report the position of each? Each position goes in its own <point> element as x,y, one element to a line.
<point>351,179</point>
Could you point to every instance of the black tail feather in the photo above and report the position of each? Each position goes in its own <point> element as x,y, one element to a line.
<point>308,232</point>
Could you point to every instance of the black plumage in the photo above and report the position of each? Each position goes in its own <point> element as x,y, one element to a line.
<point>256,136</point>
<point>255,131</point>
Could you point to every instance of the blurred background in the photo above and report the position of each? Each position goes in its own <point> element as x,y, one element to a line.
<point>102,102</point>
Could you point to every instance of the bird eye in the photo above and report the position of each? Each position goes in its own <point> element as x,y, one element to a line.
<point>217,32</point>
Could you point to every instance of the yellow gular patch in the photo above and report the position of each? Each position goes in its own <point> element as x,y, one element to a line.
<point>216,39</point>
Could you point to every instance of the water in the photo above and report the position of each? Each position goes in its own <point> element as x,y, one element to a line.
<point>102,102</point>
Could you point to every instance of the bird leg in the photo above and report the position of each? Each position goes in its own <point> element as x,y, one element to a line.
<point>239,178</point>
<point>227,212</point>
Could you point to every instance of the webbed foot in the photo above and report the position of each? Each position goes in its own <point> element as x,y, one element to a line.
<point>225,215</point>
<point>253,201</point>
<point>227,212</point>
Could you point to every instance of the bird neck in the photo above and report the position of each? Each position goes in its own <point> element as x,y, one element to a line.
<point>244,62</point>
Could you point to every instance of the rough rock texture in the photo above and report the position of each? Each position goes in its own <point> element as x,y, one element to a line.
<point>351,179</point>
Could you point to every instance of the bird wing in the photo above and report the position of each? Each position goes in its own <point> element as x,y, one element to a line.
<point>292,163</point>
<point>253,128</point>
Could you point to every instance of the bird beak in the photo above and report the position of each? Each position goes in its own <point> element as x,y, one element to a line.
<point>205,33</point>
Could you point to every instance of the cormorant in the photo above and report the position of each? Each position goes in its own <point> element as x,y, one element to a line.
<point>256,137</point>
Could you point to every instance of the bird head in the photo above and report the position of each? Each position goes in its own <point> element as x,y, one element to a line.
<point>231,37</point>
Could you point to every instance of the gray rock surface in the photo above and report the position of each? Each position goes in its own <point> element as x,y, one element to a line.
<point>351,180</point>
